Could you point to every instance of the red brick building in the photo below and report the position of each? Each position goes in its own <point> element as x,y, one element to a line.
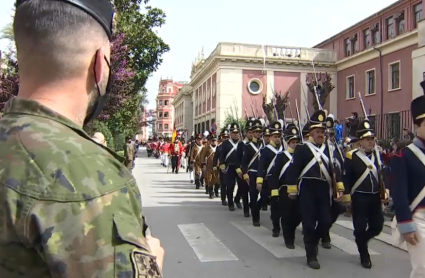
<point>164,117</point>
<point>375,57</point>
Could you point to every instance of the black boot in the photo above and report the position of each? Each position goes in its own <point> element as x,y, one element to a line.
<point>276,232</point>
<point>211,192</point>
<point>197,184</point>
<point>364,254</point>
<point>311,254</point>
<point>256,221</point>
<point>216,187</point>
<point>207,191</point>
<point>223,202</point>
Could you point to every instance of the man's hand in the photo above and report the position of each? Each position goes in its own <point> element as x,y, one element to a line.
<point>339,196</point>
<point>156,249</point>
<point>259,186</point>
<point>412,238</point>
<point>204,168</point>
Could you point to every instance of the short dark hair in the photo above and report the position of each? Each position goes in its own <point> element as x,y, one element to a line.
<point>51,35</point>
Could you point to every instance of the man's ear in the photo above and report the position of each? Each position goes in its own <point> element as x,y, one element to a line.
<point>99,65</point>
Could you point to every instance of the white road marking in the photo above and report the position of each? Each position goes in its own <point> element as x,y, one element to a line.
<point>205,244</point>
<point>386,238</point>
<point>263,237</point>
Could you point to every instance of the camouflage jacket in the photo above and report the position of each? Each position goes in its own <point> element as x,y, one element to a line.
<point>69,207</point>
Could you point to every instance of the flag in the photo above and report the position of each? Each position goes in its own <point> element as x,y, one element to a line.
<point>173,137</point>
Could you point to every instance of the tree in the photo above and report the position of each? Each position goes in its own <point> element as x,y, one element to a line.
<point>7,32</point>
<point>145,47</point>
<point>276,108</point>
<point>9,79</point>
<point>324,88</point>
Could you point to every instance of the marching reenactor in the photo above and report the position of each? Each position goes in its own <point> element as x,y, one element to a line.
<point>224,135</point>
<point>265,194</point>
<point>337,208</point>
<point>176,151</point>
<point>196,163</point>
<point>284,210</point>
<point>242,191</point>
<point>311,167</point>
<point>211,175</point>
<point>362,182</point>
<point>249,167</point>
<point>230,164</point>
<point>409,193</point>
<point>268,160</point>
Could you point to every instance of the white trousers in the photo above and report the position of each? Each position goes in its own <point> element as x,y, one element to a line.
<point>184,161</point>
<point>417,252</point>
<point>165,156</point>
<point>191,175</point>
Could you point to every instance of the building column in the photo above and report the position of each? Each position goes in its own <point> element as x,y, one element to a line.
<point>333,96</point>
<point>418,61</point>
<point>270,85</point>
<point>229,88</point>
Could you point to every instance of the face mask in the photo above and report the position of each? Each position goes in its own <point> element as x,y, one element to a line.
<point>101,101</point>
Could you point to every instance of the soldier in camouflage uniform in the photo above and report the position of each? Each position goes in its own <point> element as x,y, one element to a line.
<point>69,207</point>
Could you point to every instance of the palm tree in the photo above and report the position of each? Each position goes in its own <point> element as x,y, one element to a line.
<point>7,32</point>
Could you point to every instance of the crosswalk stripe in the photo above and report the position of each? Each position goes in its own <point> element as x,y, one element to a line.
<point>386,238</point>
<point>345,244</point>
<point>262,236</point>
<point>207,247</point>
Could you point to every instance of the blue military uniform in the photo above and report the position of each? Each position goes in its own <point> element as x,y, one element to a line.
<point>250,162</point>
<point>230,165</point>
<point>409,172</point>
<point>224,135</point>
<point>311,168</point>
<point>285,213</point>
<point>361,180</point>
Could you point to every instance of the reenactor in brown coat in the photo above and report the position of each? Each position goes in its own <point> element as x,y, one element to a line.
<point>195,160</point>
<point>211,172</point>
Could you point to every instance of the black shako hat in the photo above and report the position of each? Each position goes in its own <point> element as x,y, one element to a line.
<point>224,133</point>
<point>234,127</point>
<point>249,124</point>
<point>330,124</point>
<point>275,128</point>
<point>364,130</point>
<point>101,10</point>
<point>417,107</point>
<point>318,119</point>
<point>306,129</point>
<point>257,125</point>
<point>291,132</point>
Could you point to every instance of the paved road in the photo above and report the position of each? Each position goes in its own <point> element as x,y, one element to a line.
<point>203,239</point>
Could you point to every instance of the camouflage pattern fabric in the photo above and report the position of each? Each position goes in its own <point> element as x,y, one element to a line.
<point>69,207</point>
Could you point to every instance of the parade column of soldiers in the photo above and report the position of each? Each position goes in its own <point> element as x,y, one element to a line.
<point>300,174</point>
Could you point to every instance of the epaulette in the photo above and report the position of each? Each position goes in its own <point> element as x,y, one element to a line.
<point>349,154</point>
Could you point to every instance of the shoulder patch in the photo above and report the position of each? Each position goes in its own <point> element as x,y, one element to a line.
<point>349,154</point>
<point>144,265</point>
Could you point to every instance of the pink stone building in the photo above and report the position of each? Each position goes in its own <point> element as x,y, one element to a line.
<point>164,121</point>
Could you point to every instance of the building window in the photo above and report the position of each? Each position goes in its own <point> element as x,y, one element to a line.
<point>165,114</point>
<point>347,47</point>
<point>169,90</point>
<point>350,87</point>
<point>166,102</point>
<point>163,90</point>
<point>417,10</point>
<point>370,82</point>
<point>390,28</point>
<point>400,23</point>
<point>255,86</point>
<point>367,38</point>
<point>355,43</point>
<point>166,126</point>
<point>160,127</point>
<point>395,76</point>
<point>160,103</point>
<point>160,115</point>
<point>376,36</point>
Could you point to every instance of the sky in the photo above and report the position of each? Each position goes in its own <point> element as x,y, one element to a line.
<point>195,24</point>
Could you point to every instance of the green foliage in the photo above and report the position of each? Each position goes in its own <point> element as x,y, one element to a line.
<point>7,32</point>
<point>232,119</point>
<point>138,21</point>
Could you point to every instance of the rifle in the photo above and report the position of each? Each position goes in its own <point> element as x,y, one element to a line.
<point>331,158</point>
<point>382,187</point>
